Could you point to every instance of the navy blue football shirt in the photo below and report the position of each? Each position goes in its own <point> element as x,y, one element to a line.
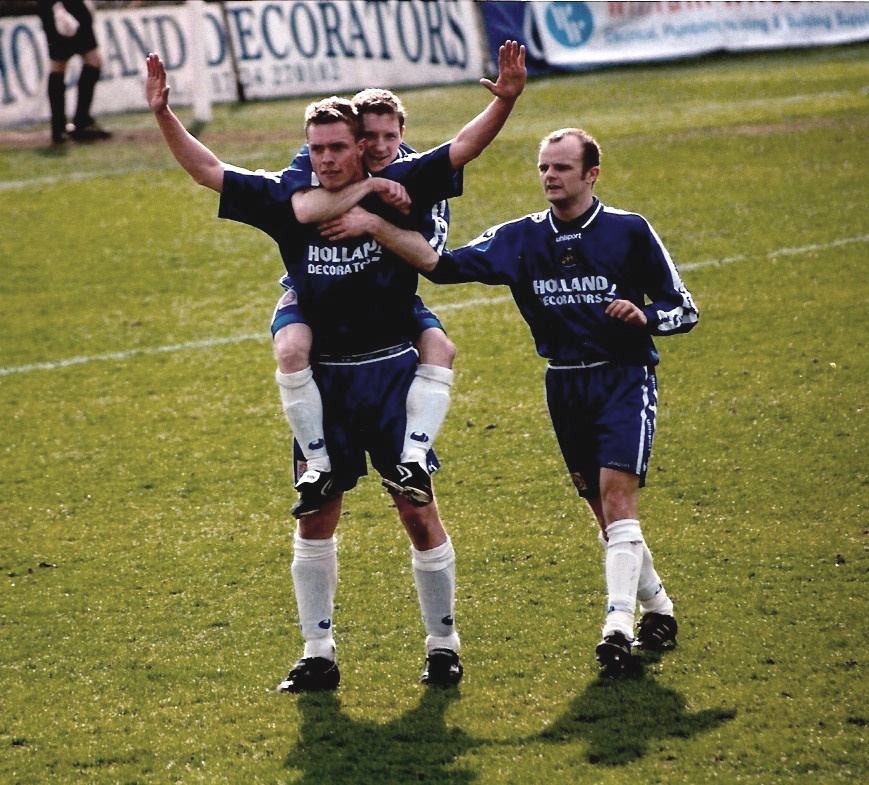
<point>564,275</point>
<point>354,294</point>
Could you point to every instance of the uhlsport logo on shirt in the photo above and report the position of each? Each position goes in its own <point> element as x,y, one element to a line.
<point>328,259</point>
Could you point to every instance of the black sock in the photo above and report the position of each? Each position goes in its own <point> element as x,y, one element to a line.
<point>86,84</point>
<point>57,102</point>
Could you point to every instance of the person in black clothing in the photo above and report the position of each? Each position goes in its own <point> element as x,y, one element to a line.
<point>69,29</point>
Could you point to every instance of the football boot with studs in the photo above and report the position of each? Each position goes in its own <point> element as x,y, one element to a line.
<point>613,654</point>
<point>656,632</point>
<point>443,668</point>
<point>311,674</point>
<point>412,481</point>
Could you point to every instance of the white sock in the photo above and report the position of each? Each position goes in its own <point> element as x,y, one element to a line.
<point>650,590</point>
<point>315,578</point>
<point>428,401</point>
<point>624,557</point>
<point>434,572</point>
<point>303,406</point>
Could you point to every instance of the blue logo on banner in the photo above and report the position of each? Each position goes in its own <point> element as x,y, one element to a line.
<point>570,24</point>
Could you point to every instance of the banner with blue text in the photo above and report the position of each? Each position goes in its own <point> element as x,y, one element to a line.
<point>570,35</point>
<point>282,49</point>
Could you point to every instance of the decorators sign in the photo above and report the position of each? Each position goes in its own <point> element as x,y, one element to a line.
<point>275,49</point>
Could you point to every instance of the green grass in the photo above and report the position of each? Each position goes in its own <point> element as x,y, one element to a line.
<point>146,609</point>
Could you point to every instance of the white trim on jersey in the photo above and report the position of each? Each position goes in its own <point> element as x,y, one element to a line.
<point>438,210</point>
<point>274,176</point>
<point>686,313</point>
<point>551,216</point>
<point>441,227</point>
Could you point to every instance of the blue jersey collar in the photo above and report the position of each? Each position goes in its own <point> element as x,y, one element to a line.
<point>580,223</point>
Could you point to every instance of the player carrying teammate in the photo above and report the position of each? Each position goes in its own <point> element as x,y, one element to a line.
<point>382,116</point>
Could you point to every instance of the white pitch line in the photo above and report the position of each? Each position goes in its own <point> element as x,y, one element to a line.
<point>482,301</point>
<point>860,238</point>
<point>126,354</point>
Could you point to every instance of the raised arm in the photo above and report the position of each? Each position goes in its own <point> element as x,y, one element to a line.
<point>197,160</point>
<point>313,205</point>
<point>409,245</point>
<point>479,133</point>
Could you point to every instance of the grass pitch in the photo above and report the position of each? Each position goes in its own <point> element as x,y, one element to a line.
<point>146,610</point>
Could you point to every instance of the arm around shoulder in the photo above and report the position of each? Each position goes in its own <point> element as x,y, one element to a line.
<point>407,244</point>
<point>315,205</point>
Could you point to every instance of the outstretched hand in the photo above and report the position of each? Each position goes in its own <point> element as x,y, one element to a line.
<point>156,89</point>
<point>511,72</point>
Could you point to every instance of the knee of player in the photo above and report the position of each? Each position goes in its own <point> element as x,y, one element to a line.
<point>435,348</point>
<point>422,524</point>
<point>619,500</point>
<point>292,348</point>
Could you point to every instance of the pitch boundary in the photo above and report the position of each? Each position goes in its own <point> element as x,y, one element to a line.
<point>445,307</point>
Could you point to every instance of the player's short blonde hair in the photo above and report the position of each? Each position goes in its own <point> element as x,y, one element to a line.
<point>333,110</point>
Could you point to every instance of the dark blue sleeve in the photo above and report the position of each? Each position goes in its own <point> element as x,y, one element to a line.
<point>258,199</point>
<point>672,309</point>
<point>300,173</point>
<point>429,177</point>
<point>492,258</point>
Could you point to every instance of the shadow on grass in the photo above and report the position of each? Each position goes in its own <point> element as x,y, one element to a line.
<point>415,747</point>
<point>618,719</point>
<point>621,718</point>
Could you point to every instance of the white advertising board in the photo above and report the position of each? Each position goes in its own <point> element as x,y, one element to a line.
<point>283,48</point>
<point>583,35</point>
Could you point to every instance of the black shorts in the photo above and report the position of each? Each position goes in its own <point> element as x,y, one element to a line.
<point>61,48</point>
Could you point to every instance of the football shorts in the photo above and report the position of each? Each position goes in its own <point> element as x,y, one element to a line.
<point>364,411</point>
<point>61,48</point>
<point>604,417</point>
